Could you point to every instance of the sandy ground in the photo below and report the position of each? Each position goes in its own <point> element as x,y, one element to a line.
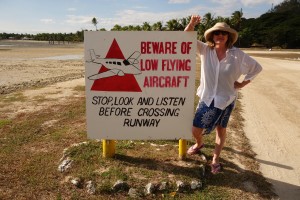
<point>27,63</point>
<point>34,65</point>
<point>271,103</point>
<point>272,123</point>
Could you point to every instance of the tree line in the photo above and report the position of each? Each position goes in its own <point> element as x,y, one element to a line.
<point>279,27</point>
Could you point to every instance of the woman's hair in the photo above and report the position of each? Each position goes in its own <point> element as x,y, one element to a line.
<point>212,44</point>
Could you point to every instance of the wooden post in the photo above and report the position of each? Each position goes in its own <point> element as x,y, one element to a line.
<point>182,149</point>
<point>109,148</point>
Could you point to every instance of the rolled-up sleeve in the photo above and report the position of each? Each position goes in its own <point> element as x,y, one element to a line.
<point>250,67</point>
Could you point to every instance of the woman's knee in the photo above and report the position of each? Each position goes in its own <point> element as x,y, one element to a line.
<point>221,130</point>
<point>197,131</point>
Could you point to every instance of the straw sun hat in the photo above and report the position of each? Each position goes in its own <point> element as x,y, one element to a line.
<point>221,26</point>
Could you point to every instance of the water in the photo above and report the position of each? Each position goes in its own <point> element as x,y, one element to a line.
<point>6,45</point>
<point>64,57</point>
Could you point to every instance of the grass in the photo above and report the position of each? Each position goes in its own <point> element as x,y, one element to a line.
<point>30,155</point>
<point>14,97</point>
<point>4,122</point>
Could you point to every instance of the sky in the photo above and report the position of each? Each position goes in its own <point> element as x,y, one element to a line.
<point>69,16</point>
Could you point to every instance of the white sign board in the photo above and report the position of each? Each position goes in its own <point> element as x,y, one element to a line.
<point>139,85</point>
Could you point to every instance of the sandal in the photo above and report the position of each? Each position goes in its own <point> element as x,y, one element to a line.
<point>192,150</point>
<point>216,168</point>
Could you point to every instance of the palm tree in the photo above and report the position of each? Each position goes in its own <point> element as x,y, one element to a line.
<point>208,20</point>
<point>236,19</point>
<point>206,23</point>
<point>95,22</point>
<point>157,26</point>
<point>146,26</point>
<point>116,28</point>
<point>173,25</point>
<point>184,22</point>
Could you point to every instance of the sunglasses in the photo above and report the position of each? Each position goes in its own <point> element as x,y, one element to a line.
<point>220,32</point>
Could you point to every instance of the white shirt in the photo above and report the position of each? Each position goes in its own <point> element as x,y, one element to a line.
<point>218,77</point>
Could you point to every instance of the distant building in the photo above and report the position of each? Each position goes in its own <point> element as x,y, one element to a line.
<point>26,38</point>
<point>256,45</point>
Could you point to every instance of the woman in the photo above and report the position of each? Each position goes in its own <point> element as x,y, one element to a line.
<point>221,67</point>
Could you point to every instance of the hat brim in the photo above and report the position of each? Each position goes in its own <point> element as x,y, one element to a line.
<point>234,34</point>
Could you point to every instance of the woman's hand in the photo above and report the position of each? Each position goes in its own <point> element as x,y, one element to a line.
<point>195,19</point>
<point>238,85</point>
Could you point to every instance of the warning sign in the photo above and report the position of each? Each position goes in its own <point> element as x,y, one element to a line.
<point>112,78</point>
<point>140,85</point>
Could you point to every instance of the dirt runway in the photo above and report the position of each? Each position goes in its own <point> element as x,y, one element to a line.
<point>272,123</point>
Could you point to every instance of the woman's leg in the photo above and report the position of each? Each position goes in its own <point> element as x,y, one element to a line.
<point>197,133</point>
<point>220,141</point>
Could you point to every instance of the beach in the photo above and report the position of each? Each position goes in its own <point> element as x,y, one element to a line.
<point>25,64</point>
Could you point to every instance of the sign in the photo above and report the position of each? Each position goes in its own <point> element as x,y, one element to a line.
<point>139,85</point>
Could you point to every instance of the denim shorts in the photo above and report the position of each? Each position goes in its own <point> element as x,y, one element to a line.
<point>208,117</point>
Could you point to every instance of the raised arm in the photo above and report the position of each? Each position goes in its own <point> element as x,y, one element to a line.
<point>195,19</point>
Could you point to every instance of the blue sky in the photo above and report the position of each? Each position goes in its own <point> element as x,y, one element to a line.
<point>65,16</point>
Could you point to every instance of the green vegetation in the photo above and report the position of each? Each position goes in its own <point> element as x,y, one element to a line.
<point>279,27</point>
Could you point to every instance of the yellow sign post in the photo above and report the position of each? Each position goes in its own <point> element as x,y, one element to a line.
<point>109,148</point>
<point>182,149</point>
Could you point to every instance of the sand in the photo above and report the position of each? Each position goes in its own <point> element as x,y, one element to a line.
<point>271,106</point>
<point>28,63</point>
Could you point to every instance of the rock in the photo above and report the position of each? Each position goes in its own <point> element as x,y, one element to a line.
<point>163,186</point>
<point>195,184</point>
<point>91,189</point>
<point>133,193</point>
<point>150,188</point>
<point>65,165</point>
<point>202,171</point>
<point>180,186</point>
<point>120,186</point>
<point>77,182</point>
<point>203,157</point>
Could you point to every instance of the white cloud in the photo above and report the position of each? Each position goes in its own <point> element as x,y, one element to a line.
<point>73,19</point>
<point>178,1</point>
<point>72,9</point>
<point>257,2</point>
<point>47,21</point>
<point>251,3</point>
<point>134,17</point>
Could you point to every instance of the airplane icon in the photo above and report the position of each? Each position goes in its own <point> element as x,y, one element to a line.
<point>116,66</point>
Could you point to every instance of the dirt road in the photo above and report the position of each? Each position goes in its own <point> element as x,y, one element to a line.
<point>272,113</point>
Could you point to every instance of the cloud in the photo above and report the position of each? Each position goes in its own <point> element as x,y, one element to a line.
<point>257,2</point>
<point>178,1</point>
<point>134,17</point>
<point>251,3</point>
<point>72,9</point>
<point>73,19</point>
<point>47,21</point>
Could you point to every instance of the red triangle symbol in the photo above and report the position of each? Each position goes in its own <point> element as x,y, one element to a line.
<point>126,83</point>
